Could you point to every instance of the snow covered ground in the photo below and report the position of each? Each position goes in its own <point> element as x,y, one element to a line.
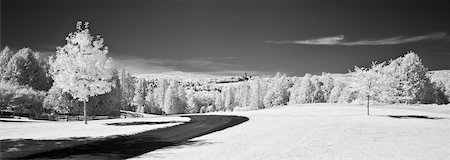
<point>325,131</point>
<point>44,130</point>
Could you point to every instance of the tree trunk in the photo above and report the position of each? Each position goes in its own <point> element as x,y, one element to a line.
<point>368,99</point>
<point>85,115</point>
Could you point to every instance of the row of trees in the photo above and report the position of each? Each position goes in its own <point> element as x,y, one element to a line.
<point>82,72</point>
<point>402,80</point>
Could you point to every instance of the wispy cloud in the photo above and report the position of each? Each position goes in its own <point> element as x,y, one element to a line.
<point>213,66</point>
<point>216,58</point>
<point>339,40</point>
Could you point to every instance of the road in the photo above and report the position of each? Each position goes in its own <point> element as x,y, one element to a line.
<point>134,145</point>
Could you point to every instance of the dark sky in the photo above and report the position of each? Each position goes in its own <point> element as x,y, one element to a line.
<point>232,37</point>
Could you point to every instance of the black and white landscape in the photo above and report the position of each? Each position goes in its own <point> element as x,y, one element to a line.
<point>224,79</point>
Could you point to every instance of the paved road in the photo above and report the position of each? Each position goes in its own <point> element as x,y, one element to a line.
<point>135,145</point>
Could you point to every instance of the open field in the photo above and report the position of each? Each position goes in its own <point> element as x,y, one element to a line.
<point>309,131</point>
<point>326,131</point>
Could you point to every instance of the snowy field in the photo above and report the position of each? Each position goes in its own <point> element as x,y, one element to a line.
<point>325,131</point>
<point>46,130</point>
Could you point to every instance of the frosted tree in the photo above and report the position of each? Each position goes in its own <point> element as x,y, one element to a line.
<point>294,97</point>
<point>242,96</point>
<point>407,78</point>
<point>174,101</point>
<point>277,93</point>
<point>318,94</point>
<point>219,101</point>
<point>256,94</point>
<point>150,101</point>
<point>192,104</point>
<point>368,82</point>
<point>328,85</point>
<point>306,90</point>
<point>228,99</point>
<point>81,67</point>
<point>160,92</point>
<point>139,95</point>
<point>336,92</point>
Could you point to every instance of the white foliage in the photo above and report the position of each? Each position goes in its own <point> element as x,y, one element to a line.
<point>81,67</point>
<point>368,82</point>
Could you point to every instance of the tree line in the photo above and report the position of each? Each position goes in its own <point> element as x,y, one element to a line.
<point>80,79</point>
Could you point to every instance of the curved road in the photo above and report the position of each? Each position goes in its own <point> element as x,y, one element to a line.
<point>134,145</point>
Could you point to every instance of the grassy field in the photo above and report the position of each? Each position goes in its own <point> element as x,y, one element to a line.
<point>326,131</point>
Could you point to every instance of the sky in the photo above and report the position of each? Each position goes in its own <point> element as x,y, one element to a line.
<point>233,37</point>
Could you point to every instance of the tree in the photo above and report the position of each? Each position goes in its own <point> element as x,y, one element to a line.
<point>306,90</point>
<point>229,101</point>
<point>368,82</point>
<point>192,103</point>
<point>219,102</point>
<point>174,102</point>
<point>21,99</point>
<point>5,56</point>
<point>139,95</point>
<point>257,94</point>
<point>277,94</point>
<point>160,92</point>
<point>328,85</point>
<point>58,101</point>
<point>81,67</point>
<point>127,83</point>
<point>406,77</point>
<point>336,92</point>
<point>27,68</point>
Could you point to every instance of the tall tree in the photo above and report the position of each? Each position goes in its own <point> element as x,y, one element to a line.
<point>160,92</point>
<point>306,90</point>
<point>174,102</point>
<point>81,67</point>
<point>139,95</point>
<point>278,92</point>
<point>257,93</point>
<point>406,78</point>
<point>127,83</point>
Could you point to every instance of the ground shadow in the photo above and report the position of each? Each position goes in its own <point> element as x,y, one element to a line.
<point>122,147</point>
<point>1,120</point>
<point>413,116</point>
<point>141,123</point>
<point>13,148</point>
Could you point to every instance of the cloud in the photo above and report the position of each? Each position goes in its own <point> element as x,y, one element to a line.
<point>216,58</point>
<point>339,40</point>
<point>319,41</point>
<point>139,65</point>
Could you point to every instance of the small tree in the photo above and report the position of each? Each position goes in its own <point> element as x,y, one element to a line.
<point>368,82</point>
<point>81,67</point>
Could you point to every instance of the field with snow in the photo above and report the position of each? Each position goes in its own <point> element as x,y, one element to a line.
<point>325,131</point>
